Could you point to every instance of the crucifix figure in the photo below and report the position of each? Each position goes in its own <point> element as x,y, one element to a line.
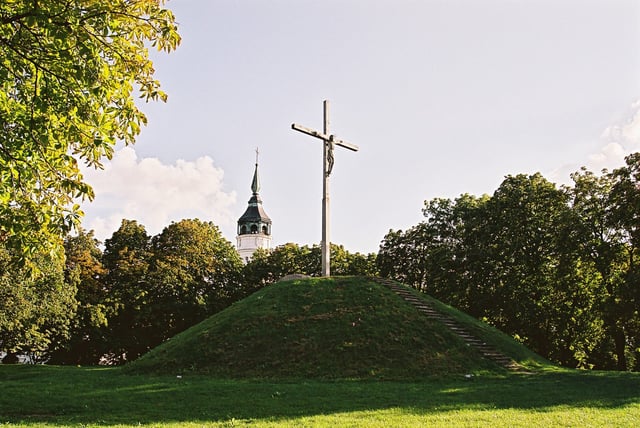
<point>329,143</point>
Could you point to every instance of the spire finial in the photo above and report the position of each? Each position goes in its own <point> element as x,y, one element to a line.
<point>255,184</point>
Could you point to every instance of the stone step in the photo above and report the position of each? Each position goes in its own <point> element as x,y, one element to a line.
<point>430,314</point>
<point>487,348</point>
<point>474,345</point>
<point>496,355</point>
<point>487,351</point>
<point>475,342</point>
<point>451,325</point>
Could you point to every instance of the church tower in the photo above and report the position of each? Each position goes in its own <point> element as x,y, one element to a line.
<point>254,227</point>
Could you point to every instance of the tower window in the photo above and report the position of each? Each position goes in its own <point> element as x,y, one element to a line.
<point>254,228</point>
<point>243,230</point>
<point>265,230</point>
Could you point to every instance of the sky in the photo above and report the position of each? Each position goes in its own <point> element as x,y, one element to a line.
<point>443,97</point>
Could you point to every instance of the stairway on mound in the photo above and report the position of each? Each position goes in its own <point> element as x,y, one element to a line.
<point>486,350</point>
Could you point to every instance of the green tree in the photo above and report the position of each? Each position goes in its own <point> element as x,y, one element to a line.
<point>501,258</point>
<point>359,264</point>
<point>600,250</point>
<point>84,270</point>
<point>525,215</point>
<point>35,308</point>
<point>126,258</point>
<point>165,284</point>
<point>266,267</point>
<point>194,273</point>
<point>392,256</point>
<point>291,258</point>
<point>455,256</point>
<point>402,255</point>
<point>257,273</point>
<point>624,296</point>
<point>69,70</point>
<point>442,255</point>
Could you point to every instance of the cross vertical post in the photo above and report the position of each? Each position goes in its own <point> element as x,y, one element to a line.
<point>329,142</point>
<point>325,244</point>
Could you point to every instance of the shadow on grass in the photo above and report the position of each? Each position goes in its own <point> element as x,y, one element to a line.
<point>107,396</point>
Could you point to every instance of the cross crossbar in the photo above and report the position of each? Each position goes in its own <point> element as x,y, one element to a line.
<point>324,137</point>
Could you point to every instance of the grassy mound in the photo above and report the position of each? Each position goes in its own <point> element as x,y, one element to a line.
<point>324,328</point>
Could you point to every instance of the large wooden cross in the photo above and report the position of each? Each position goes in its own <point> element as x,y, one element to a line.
<point>330,141</point>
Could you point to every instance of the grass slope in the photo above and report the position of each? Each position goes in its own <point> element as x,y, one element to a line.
<point>323,328</point>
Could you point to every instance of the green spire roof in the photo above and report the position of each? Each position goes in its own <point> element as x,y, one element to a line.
<point>255,184</point>
<point>254,219</point>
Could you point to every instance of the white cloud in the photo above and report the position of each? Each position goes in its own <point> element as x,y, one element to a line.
<point>155,194</point>
<point>620,139</point>
<point>617,141</point>
<point>610,156</point>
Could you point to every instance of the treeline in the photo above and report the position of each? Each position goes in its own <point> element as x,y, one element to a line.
<point>557,268</point>
<point>109,305</point>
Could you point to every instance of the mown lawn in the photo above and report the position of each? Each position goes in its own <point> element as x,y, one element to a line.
<point>73,396</point>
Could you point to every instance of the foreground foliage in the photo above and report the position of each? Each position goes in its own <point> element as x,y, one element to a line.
<point>68,72</point>
<point>58,396</point>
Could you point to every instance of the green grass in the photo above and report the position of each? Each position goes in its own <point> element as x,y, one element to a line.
<point>327,353</point>
<point>338,328</point>
<point>34,396</point>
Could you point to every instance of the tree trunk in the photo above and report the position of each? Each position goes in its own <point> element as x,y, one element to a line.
<point>10,358</point>
<point>620,342</point>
